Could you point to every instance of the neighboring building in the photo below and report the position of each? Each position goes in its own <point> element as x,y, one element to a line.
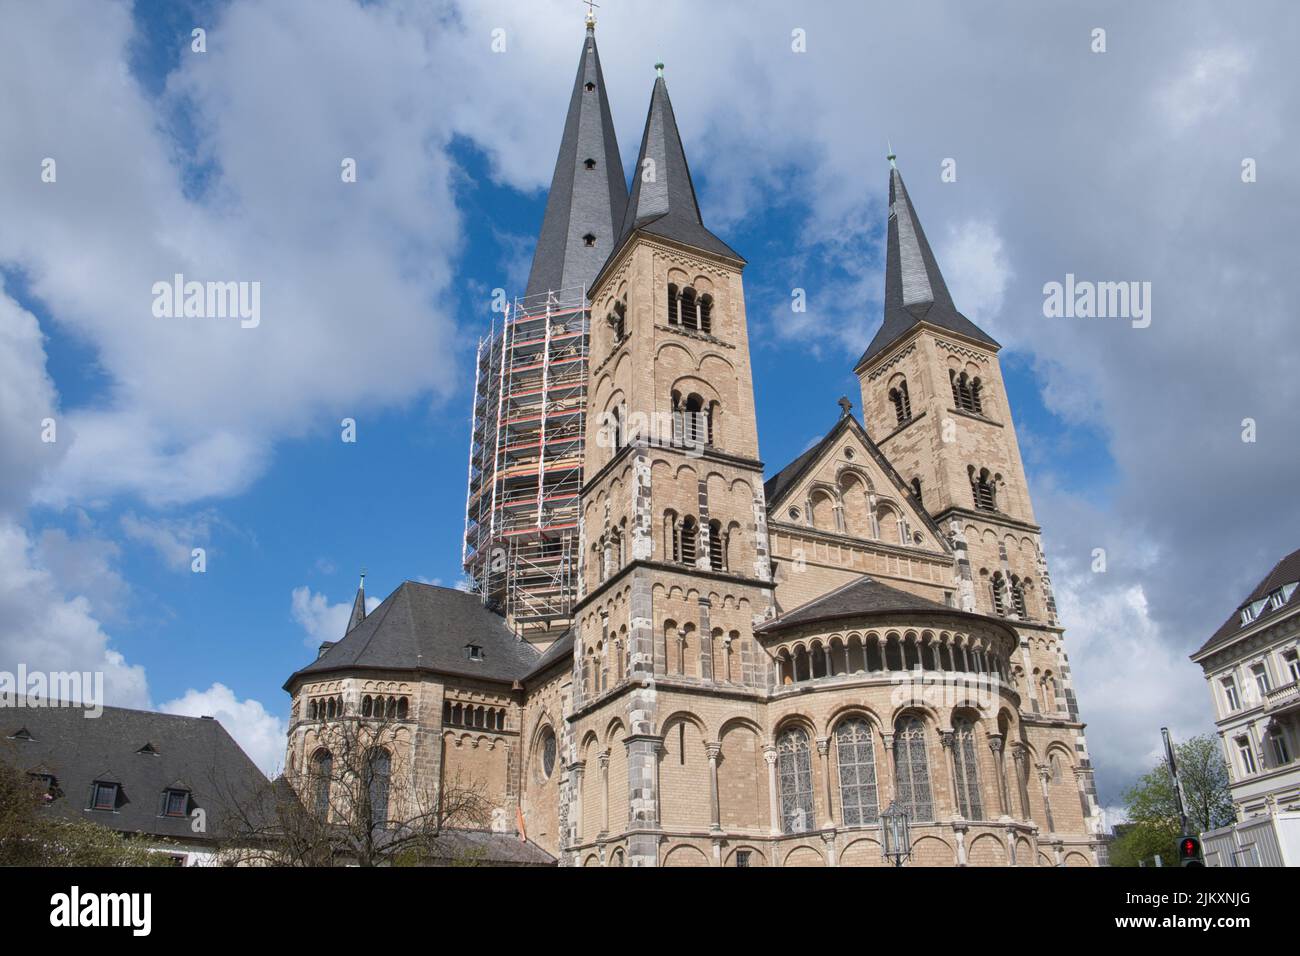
<point>755,668</point>
<point>1252,665</point>
<point>173,780</point>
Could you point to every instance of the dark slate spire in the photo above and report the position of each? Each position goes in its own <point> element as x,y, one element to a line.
<point>663,197</point>
<point>358,605</point>
<point>583,201</point>
<point>914,286</point>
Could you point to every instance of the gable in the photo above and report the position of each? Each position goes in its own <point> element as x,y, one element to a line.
<point>845,486</point>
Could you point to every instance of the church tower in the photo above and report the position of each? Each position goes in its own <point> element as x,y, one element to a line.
<point>935,403</point>
<point>675,571</point>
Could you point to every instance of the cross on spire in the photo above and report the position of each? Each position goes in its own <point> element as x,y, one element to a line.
<point>591,12</point>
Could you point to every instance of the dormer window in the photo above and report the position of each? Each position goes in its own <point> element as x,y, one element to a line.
<point>22,733</point>
<point>475,651</point>
<point>589,240</point>
<point>176,803</point>
<point>589,163</point>
<point>590,87</point>
<point>149,750</point>
<point>104,796</point>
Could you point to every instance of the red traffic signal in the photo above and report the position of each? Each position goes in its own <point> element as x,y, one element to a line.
<point>1189,851</point>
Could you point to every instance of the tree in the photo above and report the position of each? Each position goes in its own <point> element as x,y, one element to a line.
<point>358,802</point>
<point>32,834</point>
<point>1152,805</point>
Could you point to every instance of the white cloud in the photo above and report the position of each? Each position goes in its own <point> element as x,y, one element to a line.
<point>322,620</point>
<point>974,261</point>
<point>174,539</point>
<point>259,733</point>
<point>47,629</point>
<point>1209,82</point>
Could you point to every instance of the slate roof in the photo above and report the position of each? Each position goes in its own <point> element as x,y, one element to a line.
<point>865,597</point>
<point>425,627</point>
<point>581,201</point>
<point>485,847</point>
<point>914,286</point>
<point>193,753</point>
<point>862,596</point>
<point>561,649</point>
<point>1285,571</point>
<point>666,206</point>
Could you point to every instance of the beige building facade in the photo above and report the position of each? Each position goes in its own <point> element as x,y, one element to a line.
<point>756,669</point>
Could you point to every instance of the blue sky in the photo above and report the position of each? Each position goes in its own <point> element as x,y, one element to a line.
<point>227,162</point>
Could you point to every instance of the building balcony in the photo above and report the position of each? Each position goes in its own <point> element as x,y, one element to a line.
<point>1282,700</point>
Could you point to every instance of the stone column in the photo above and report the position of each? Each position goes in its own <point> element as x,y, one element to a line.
<point>1044,778</point>
<point>999,764</point>
<point>824,751</point>
<point>714,750</point>
<point>769,754</point>
<point>1021,757</point>
<point>946,738</point>
<point>959,831</point>
<point>891,786</point>
<point>575,771</point>
<point>603,759</point>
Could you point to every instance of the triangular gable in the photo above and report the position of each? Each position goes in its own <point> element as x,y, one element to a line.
<point>848,449</point>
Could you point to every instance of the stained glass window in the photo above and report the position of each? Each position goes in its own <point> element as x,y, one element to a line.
<point>856,757</point>
<point>794,775</point>
<point>913,770</point>
<point>968,785</point>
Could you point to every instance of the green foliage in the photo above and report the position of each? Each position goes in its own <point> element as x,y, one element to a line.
<point>31,834</point>
<point>1152,804</point>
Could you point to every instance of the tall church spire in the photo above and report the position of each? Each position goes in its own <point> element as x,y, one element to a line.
<point>584,208</point>
<point>663,199</point>
<point>358,605</point>
<point>914,287</point>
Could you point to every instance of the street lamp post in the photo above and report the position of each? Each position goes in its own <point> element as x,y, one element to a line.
<point>895,833</point>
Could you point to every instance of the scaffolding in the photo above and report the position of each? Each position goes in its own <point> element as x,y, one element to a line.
<point>525,462</point>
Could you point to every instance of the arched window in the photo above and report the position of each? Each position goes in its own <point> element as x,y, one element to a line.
<point>379,771</point>
<point>717,555</point>
<point>902,403</point>
<point>697,425</point>
<point>689,310</point>
<point>367,706</point>
<point>855,754</point>
<point>672,304</point>
<point>706,313</point>
<point>548,753</point>
<point>912,770</point>
<point>998,589</point>
<point>322,772</point>
<point>1018,598</point>
<point>689,537</point>
<point>672,541</point>
<point>965,392</point>
<point>963,757</point>
<point>983,489</point>
<point>1055,764</point>
<point>794,776</point>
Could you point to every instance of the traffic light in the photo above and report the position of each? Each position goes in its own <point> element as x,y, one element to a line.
<point>1189,851</point>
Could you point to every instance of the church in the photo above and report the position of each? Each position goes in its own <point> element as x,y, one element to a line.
<point>681,658</point>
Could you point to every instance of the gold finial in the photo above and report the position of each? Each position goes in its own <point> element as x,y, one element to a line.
<point>659,69</point>
<point>591,13</point>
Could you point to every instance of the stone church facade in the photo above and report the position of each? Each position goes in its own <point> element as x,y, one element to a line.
<point>756,669</point>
